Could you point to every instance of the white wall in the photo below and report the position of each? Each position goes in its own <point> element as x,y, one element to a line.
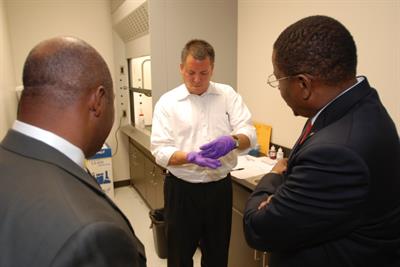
<point>8,97</point>
<point>121,158</point>
<point>374,25</point>
<point>31,21</point>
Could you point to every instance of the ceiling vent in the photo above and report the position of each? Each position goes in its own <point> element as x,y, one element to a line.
<point>135,25</point>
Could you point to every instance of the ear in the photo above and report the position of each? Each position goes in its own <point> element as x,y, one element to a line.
<point>181,66</point>
<point>97,101</point>
<point>305,83</point>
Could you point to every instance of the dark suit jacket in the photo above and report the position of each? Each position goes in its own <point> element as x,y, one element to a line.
<point>52,213</point>
<point>338,204</point>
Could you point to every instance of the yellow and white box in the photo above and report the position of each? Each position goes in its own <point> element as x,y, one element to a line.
<point>100,166</point>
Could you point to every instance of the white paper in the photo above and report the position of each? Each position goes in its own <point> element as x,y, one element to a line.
<point>249,166</point>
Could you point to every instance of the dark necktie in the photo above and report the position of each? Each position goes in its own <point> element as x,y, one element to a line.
<point>306,131</point>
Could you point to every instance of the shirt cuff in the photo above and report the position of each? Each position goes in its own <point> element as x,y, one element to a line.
<point>163,156</point>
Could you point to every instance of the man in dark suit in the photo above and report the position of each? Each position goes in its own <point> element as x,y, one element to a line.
<point>335,201</point>
<point>52,212</point>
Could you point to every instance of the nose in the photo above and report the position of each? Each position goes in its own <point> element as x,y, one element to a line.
<point>196,78</point>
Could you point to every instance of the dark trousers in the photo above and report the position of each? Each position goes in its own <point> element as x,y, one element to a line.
<point>198,214</point>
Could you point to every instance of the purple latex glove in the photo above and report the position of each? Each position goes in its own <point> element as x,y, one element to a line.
<point>196,158</point>
<point>218,148</point>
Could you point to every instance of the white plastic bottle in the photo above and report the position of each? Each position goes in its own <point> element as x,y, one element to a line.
<point>279,154</point>
<point>141,122</point>
<point>272,153</point>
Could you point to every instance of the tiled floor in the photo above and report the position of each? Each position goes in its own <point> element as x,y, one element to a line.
<point>129,201</point>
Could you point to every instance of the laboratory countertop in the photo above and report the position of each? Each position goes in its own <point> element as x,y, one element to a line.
<point>141,137</point>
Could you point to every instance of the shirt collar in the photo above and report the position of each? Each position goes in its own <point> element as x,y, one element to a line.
<point>359,79</point>
<point>184,92</point>
<point>71,151</point>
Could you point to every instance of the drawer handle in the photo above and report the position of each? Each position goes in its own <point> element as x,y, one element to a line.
<point>256,257</point>
<point>264,259</point>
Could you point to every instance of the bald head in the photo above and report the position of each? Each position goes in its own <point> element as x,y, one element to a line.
<point>61,69</point>
<point>68,91</point>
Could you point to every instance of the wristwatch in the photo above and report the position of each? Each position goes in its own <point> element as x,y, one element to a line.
<point>237,143</point>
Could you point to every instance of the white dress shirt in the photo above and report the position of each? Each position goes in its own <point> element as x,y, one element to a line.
<point>184,122</point>
<point>71,151</point>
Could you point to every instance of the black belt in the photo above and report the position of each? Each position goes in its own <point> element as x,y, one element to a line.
<point>171,176</point>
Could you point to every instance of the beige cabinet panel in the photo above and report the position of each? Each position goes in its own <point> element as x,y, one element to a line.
<point>147,177</point>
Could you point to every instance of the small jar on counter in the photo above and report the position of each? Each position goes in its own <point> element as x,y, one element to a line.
<point>272,153</point>
<point>279,154</point>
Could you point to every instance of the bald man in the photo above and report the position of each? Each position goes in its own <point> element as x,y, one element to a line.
<point>53,213</point>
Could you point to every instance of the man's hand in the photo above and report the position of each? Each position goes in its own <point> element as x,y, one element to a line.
<point>264,203</point>
<point>196,158</point>
<point>279,168</point>
<point>219,147</point>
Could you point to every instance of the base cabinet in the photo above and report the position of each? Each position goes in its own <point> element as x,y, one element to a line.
<point>155,183</point>
<point>147,177</point>
<point>136,162</point>
<point>240,254</point>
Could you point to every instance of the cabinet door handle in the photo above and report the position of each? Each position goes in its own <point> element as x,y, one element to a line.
<point>265,261</point>
<point>256,257</point>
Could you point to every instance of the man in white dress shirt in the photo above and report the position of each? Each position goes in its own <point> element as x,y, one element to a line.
<point>197,129</point>
<point>53,213</point>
